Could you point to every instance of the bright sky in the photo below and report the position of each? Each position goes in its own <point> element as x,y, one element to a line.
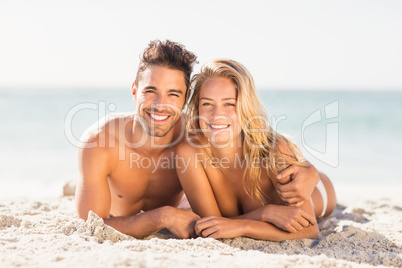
<point>339,44</point>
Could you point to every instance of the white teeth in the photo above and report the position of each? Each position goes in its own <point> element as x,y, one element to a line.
<point>159,117</point>
<point>219,126</point>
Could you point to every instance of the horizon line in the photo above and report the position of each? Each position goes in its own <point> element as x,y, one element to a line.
<point>46,89</point>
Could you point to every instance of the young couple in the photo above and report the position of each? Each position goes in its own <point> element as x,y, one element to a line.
<point>240,176</point>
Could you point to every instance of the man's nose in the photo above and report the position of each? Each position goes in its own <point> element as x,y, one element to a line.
<point>161,99</point>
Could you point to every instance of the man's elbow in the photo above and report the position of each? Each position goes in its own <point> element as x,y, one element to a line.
<point>82,214</point>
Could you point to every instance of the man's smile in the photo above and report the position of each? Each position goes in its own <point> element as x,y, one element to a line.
<point>158,118</point>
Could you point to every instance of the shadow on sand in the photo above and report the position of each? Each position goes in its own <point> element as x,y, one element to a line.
<point>339,238</point>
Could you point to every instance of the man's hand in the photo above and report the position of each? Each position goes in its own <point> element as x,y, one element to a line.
<point>181,222</point>
<point>291,219</point>
<point>219,227</point>
<point>301,186</point>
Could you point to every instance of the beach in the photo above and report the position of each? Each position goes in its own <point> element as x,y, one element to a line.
<point>47,233</point>
<point>39,228</point>
<point>327,74</point>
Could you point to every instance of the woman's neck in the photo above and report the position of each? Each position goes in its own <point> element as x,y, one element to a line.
<point>230,154</point>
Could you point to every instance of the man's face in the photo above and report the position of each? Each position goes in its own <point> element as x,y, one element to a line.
<point>160,97</point>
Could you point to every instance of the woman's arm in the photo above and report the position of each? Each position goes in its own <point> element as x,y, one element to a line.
<point>194,180</point>
<point>287,218</point>
<point>219,227</point>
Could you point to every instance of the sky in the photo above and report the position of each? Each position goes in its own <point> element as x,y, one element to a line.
<point>344,44</point>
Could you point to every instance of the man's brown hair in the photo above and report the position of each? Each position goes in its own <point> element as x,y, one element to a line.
<point>169,54</point>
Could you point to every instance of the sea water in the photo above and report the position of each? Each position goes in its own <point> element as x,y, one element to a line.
<point>353,136</point>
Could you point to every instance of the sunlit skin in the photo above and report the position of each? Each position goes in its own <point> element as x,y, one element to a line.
<point>214,191</point>
<point>111,184</point>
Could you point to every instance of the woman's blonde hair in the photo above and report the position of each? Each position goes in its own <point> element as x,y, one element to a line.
<point>260,148</point>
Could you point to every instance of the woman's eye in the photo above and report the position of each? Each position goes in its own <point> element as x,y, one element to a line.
<point>206,104</point>
<point>174,95</point>
<point>230,104</point>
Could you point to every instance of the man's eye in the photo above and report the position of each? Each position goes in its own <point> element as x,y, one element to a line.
<point>174,95</point>
<point>149,91</point>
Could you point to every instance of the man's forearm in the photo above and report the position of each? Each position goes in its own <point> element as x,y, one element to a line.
<point>140,225</point>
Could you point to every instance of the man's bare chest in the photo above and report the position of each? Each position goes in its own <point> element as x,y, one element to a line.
<point>140,176</point>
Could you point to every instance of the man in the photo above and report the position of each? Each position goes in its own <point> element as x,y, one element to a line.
<point>127,163</point>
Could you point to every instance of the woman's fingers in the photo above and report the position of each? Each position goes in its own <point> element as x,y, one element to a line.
<point>290,228</point>
<point>205,219</point>
<point>304,219</point>
<point>297,225</point>
<point>303,222</point>
<point>308,216</point>
<point>209,231</point>
<point>202,225</point>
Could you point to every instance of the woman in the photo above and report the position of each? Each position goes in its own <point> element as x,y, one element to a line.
<point>232,158</point>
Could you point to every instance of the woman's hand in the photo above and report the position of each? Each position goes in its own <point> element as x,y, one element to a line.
<point>219,227</point>
<point>287,218</point>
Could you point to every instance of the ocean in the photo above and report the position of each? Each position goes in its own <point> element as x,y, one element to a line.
<point>352,136</point>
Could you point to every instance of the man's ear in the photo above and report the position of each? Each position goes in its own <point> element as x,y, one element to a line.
<point>134,91</point>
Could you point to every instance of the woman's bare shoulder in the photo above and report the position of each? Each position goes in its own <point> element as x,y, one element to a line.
<point>190,145</point>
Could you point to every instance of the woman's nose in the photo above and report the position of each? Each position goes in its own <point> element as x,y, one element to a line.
<point>218,110</point>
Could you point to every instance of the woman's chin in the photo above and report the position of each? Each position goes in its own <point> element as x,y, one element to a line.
<point>221,142</point>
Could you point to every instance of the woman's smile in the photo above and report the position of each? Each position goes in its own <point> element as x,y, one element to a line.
<point>217,127</point>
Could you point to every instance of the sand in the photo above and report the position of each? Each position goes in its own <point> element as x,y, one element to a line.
<point>46,233</point>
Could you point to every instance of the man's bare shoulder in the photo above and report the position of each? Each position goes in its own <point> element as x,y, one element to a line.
<point>108,129</point>
<point>99,143</point>
<point>288,148</point>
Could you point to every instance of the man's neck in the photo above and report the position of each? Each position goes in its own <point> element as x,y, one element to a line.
<point>150,144</point>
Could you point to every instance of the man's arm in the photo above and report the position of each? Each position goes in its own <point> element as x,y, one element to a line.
<point>178,221</point>
<point>93,193</point>
<point>295,184</point>
<point>92,190</point>
<point>301,186</point>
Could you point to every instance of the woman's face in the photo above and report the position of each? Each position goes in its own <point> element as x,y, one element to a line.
<point>218,119</point>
